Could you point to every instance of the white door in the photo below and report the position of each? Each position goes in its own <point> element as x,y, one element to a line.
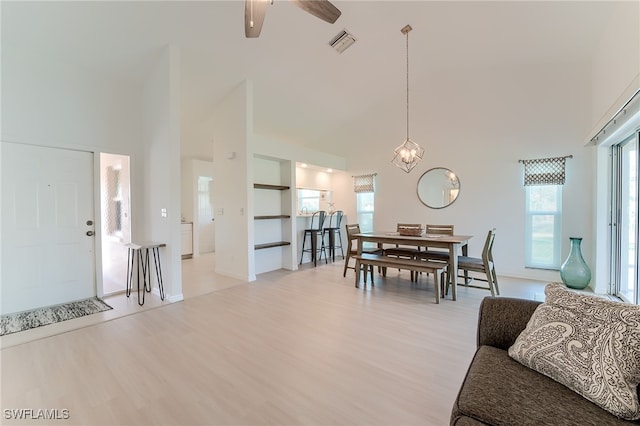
<point>47,211</point>
<point>206,224</point>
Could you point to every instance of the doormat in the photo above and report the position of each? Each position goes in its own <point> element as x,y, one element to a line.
<point>20,321</point>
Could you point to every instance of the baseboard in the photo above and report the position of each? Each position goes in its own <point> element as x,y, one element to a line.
<point>175,298</point>
<point>169,297</point>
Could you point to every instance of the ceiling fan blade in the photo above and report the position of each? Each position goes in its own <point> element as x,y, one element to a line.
<point>254,12</point>
<point>322,9</point>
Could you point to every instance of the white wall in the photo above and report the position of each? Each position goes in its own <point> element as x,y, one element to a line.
<point>615,69</point>
<point>233,183</point>
<point>479,123</point>
<point>187,190</point>
<point>230,129</point>
<point>47,103</point>
<point>617,58</point>
<point>265,145</point>
<point>161,170</point>
<point>313,179</point>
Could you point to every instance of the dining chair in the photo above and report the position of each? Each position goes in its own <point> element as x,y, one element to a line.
<point>352,249</point>
<point>404,252</point>
<point>314,231</point>
<point>431,253</point>
<point>483,264</point>
<point>438,229</point>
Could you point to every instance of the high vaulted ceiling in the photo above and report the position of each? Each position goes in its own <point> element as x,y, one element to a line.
<point>304,90</point>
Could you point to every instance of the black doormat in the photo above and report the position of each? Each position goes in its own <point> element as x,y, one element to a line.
<point>20,321</point>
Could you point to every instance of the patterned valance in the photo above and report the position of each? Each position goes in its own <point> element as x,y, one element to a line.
<point>363,183</point>
<point>544,171</point>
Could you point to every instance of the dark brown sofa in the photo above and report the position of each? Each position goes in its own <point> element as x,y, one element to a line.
<point>500,391</point>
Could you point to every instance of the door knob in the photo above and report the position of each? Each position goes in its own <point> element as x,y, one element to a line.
<point>90,233</point>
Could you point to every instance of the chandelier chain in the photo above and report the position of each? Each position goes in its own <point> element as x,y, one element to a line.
<point>409,153</point>
<point>407,51</point>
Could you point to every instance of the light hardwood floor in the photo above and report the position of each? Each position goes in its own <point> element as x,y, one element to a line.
<point>293,348</point>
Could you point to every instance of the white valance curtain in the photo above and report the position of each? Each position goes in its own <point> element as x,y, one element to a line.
<point>364,183</point>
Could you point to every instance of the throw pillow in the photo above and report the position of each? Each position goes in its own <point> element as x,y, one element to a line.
<point>589,344</point>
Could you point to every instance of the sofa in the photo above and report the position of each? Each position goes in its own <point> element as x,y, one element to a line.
<point>498,390</point>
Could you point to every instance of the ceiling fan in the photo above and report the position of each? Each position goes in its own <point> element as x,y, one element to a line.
<point>255,10</point>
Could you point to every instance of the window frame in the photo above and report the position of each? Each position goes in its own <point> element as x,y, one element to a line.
<point>617,203</point>
<point>557,229</point>
<point>301,199</point>
<point>362,213</point>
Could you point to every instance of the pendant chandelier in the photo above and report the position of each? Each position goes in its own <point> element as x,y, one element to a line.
<point>408,154</point>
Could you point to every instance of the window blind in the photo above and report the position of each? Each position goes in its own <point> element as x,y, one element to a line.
<point>363,183</point>
<point>544,171</point>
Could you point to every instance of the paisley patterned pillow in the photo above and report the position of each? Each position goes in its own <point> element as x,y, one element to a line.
<point>589,344</point>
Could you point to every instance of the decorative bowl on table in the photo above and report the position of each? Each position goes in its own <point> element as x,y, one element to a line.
<point>410,231</point>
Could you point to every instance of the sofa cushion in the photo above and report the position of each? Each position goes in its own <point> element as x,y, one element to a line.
<point>499,391</point>
<point>589,344</point>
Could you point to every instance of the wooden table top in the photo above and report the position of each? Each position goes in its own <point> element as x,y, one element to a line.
<point>391,236</point>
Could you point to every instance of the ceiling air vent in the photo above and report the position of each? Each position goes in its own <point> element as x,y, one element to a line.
<point>342,41</point>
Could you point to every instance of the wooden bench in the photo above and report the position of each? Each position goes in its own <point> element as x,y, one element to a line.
<point>371,260</point>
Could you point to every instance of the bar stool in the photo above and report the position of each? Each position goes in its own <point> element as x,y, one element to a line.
<point>140,252</point>
<point>334,228</point>
<point>317,219</point>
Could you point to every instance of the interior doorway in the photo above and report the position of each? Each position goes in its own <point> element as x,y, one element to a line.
<point>206,220</point>
<point>115,196</point>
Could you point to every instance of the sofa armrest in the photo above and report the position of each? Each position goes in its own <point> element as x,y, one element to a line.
<point>502,319</point>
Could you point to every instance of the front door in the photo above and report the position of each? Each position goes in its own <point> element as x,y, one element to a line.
<point>47,227</point>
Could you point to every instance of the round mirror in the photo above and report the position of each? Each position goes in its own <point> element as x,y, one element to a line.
<point>438,188</point>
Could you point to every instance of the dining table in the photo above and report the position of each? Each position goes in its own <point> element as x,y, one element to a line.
<point>454,243</point>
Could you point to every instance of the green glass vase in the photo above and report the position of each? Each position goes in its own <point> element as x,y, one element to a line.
<point>575,272</point>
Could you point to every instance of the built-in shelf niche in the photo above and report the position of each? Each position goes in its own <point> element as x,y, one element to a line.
<point>273,212</point>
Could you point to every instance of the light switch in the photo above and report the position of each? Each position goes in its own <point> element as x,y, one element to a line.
<point>241,211</point>
<point>163,212</point>
<point>221,211</point>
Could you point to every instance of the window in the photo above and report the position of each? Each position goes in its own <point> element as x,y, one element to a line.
<point>543,226</point>
<point>625,230</point>
<point>620,139</point>
<point>364,188</point>
<point>308,200</point>
<point>543,180</point>
<point>364,209</point>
